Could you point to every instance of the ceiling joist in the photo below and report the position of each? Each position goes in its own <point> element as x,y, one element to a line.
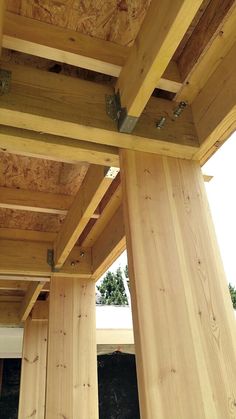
<point>160,34</point>
<point>33,37</point>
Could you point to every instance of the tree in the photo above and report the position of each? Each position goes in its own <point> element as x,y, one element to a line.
<point>112,289</point>
<point>232,291</point>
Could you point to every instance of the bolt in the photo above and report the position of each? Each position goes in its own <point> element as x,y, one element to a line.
<point>177,112</point>
<point>160,124</point>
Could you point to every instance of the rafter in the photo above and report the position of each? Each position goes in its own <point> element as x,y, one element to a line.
<point>211,41</point>
<point>27,235</point>
<point>163,28</point>
<point>75,108</point>
<point>109,245</point>
<point>64,45</point>
<point>93,188</point>
<point>214,109</point>
<point>30,298</point>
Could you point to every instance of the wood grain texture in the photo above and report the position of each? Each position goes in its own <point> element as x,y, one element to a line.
<point>216,50</point>
<point>30,258</point>
<point>33,370</point>
<point>72,360</point>
<point>49,147</point>
<point>216,122</point>
<point>184,325</point>
<point>31,295</point>
<point>92,190</point>
<point>75,108</point>
<point>109,245</point>
<point>203,34</point>
<point>160,34</point>
<point>2,15</point>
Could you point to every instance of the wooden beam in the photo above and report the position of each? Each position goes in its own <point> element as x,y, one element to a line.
<point>40,311</point>
<point>64,45</point>
<point>211,41</point>
<point>72,354</point>
<point>109,245</point>
<point>9,313</point>
<point>22,199</point>
<point>31,258</point>
<point>51,147</point>
<point>27,235</point>
<point>184,323</point>
<point>93,188</point>
<point>38,98</point>
<point>214,122</point>
<point>2,17</point>
<point>161,32</point>
<point>30,298</point>
<point>33,370</point>
<point>206,30</point>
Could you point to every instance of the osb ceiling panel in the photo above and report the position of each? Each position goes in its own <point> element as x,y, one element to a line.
<point>113,20</point>
<point>26,220</point>
<point>40,175</point>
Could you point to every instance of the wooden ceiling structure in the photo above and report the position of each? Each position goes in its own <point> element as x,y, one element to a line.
<point>83,83</point>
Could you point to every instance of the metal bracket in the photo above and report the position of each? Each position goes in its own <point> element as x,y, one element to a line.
<point>125,122</point>
<point>50,260</point>
<point>5,81</point>
<point>112,172</point>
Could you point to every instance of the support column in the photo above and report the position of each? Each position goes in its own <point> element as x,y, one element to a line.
<point>72,390</point>
<point>184,325</point>
<point>33,370</point>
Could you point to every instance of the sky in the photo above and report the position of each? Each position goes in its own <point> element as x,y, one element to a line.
<point>221,192</point>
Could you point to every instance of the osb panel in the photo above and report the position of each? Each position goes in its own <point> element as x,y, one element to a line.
<point>26,220</point>
<point>40,175</point>
<point>113,20</point>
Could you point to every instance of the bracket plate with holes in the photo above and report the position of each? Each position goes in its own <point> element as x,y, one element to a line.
<point>125,122</point>
<point>112,172</point>
<point>50,260</point>
<point>5,81</point>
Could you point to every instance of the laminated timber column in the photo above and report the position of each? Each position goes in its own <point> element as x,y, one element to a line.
<point>184,326</point>
<point>33,370</point>
<point>72,391</point>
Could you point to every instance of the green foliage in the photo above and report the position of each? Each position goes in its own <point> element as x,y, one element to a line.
<point>232,291</point>
<point>112,289</point>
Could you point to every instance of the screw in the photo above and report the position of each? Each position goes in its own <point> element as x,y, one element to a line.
<point>160,124</point>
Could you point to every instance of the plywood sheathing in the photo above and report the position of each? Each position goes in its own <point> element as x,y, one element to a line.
<point>26,220</point>
<point>40,175</point>
<point>113,20</point>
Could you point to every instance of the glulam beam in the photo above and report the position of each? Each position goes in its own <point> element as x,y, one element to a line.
<point>160,34</point>
<point>32,259</point>
<point>184,324</point>
<point>74,108</point>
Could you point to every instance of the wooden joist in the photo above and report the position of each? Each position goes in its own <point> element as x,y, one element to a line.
<point>21,199</point>
<point>163,28</point>
<point>30,298</point>
<point>31,258</point>
<point>33,37</point>
<point>75,108</point>
<point>211,41</point>
<point>214,109</point>
<point>27,235</point>
<point>109,245</point>
<point>92,190</point>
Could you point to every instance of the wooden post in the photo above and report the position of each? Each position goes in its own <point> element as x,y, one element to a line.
<point>72,390</point>
<point>184,326</point>
<point>33,370</point>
